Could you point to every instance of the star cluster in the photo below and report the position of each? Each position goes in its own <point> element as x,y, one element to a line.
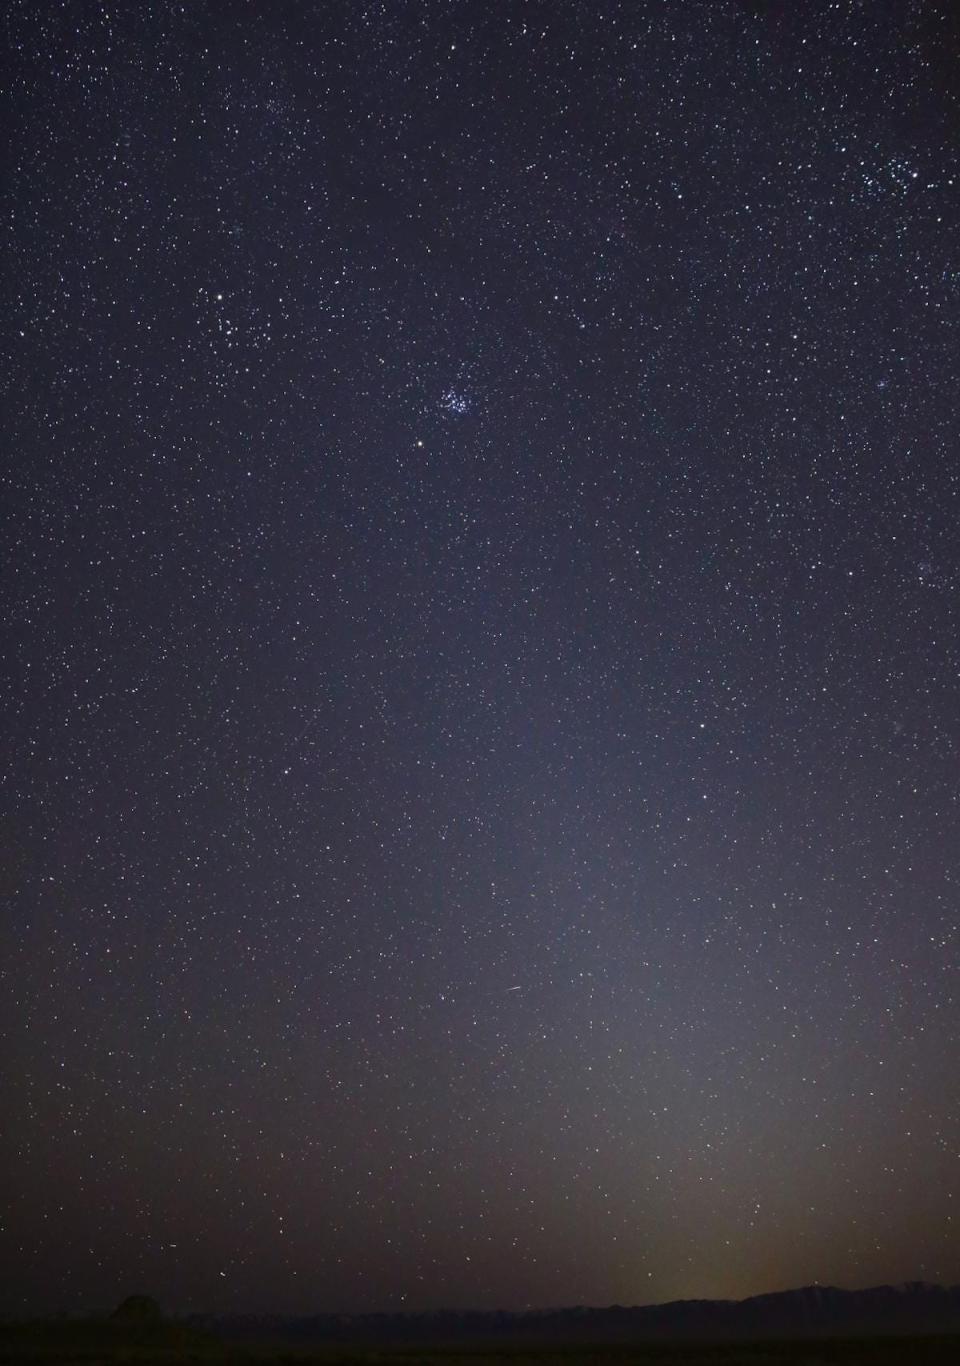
<point>480,799</point>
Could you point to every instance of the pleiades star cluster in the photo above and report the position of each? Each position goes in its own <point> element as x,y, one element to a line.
<point>482,584</point>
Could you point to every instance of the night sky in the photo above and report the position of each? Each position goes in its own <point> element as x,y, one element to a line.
<point>480,784</point>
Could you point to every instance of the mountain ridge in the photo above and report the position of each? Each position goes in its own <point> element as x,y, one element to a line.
<point>909,1307</point>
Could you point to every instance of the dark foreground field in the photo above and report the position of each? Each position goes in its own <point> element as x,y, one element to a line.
<point>50,1344</point>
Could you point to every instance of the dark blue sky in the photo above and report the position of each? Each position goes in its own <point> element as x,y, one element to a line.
<point>482,568</point>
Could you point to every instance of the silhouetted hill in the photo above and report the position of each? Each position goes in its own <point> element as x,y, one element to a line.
<point>813,1311</point>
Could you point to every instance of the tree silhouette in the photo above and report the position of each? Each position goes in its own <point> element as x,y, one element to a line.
<point>138,1309</point>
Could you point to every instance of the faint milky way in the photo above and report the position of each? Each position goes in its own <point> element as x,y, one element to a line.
<point>480,799</point>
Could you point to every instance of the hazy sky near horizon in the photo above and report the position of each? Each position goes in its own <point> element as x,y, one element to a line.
<point>480,797</point>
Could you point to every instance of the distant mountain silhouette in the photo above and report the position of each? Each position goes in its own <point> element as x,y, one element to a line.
<point>813,1311</point>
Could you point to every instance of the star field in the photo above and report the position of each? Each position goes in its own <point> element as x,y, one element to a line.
<point>480,793</point>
